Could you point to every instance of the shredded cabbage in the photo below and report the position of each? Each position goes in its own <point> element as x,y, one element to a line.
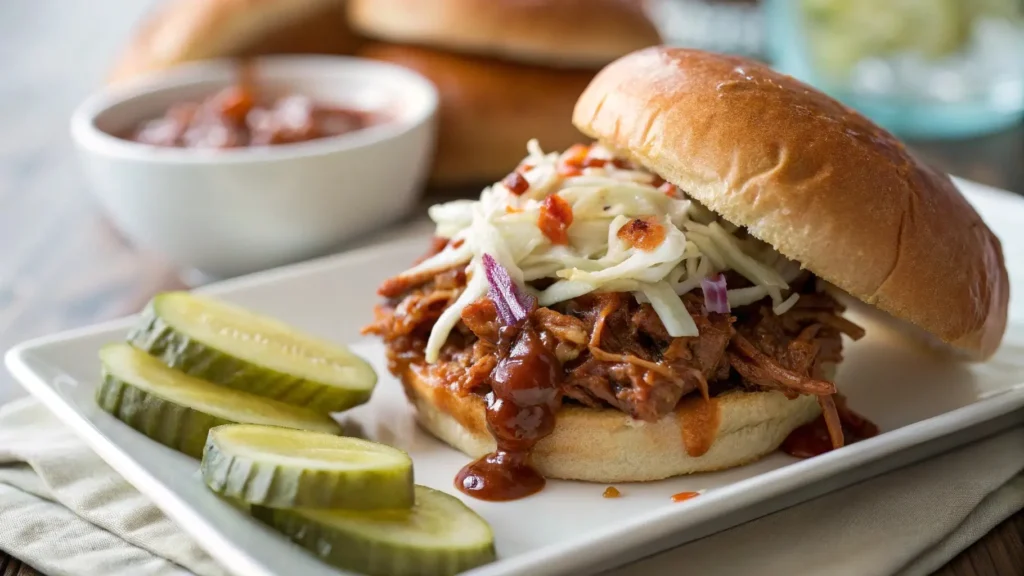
<point>475,289</point>
<point>786,304</point>
<point>744,296</point>
<point>603,199</point>
<point>670,309</point>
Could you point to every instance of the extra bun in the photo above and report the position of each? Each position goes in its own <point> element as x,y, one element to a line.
<point>814,179</point>
<point>607,445</point>
<point>563,33</point>
<point>489,109</point>
<point>188,30</point>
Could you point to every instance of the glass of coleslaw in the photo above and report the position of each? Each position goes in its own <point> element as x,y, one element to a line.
<point>921,68</point>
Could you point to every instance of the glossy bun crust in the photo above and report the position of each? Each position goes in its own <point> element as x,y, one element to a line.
<point>489,109</point>
<point>607,445</point>
<point>562,33</point>
<point>189,30</point>
<point>814,179</point>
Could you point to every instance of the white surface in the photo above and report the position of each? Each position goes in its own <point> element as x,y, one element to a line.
<point>67,513</point>
<point>913,395</point>
<point>228,212</point>
<point>908,522</point>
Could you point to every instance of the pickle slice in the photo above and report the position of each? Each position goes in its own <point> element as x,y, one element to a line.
<point>178,410</point>
<point>439,535</point>
<point>233,347</point>
<point>297,469</point>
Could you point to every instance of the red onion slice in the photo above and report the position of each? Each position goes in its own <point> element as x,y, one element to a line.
<point>513,303</point>
<point>716,296</point>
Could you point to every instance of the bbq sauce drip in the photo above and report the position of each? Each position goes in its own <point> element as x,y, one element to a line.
<point>809,440</point>
<point>699,420</point>
<point>684,496</point>
<point>521,410</point>
<point>813,439</point>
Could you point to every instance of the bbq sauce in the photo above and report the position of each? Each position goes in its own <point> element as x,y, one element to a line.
<point>699,420</point>
<point>813,439</point>
<point>555,219</point>
<point>643,233</point>
<point>808,440</point>
<point>500,476</point>
<point>243,115</point>
<point>684,496</point>
<point>520,411</point>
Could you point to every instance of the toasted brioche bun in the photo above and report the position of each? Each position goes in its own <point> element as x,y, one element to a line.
<point>489,109</point>
<point>188,30</point>
<point>811,177</point>
<point>607,445</point>
<point>562,33</point>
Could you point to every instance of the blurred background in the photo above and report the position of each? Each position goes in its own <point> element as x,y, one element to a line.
<point>921,68</point>
<point>947,76</point>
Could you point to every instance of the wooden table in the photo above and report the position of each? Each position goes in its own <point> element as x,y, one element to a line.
<point>62,265</point>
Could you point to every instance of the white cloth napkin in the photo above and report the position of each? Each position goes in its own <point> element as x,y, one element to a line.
<point>65,512</point>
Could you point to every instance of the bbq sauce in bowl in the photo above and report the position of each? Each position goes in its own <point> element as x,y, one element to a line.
<point>521,410</point>
<point>242,115</point>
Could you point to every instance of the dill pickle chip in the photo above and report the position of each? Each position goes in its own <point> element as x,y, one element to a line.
<point>298,469</point>
<point>231,346</point>
<point>178,410</point>
<point>438,536</point>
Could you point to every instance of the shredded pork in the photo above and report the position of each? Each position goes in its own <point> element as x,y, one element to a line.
<point>616,353</point>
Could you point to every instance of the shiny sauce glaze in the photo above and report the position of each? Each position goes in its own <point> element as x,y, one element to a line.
<point>555,219</point>
<point>809,440</point>
<point>516,183</point>
<point>643,233</point>
<point>812,439</point>
<point>611,492</point>
<point>580,156</point>
<point>241,115</point>
<point>521,409</point>
<point>699,419</point>
<point>571,161</point>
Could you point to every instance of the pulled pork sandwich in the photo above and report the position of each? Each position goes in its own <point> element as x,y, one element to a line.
<point>663,301</point>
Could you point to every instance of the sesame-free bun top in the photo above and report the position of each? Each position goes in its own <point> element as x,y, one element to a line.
<point>562,33</point>
<point>189,30</point>
<point>813,178</point>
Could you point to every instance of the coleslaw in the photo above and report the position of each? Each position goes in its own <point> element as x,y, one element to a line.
<point>598,251</point>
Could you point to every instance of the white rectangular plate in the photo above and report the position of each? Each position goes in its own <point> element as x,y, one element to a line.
<point>922,403</point>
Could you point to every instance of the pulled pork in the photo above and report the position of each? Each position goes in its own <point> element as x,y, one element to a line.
<point>616,352</point>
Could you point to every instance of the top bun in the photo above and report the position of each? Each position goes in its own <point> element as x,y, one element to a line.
<point>188,30</point>
<point>813,178</point>
<point>560,33</point>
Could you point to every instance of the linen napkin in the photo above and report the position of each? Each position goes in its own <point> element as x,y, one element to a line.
<point>65,512</point>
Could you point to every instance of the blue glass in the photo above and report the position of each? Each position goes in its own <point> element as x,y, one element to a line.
<point>920,68</point>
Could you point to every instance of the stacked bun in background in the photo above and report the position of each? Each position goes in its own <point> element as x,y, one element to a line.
<point>181,31</point>
<point>506,70</point>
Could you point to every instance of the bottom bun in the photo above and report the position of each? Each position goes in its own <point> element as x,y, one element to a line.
<point>606,445</point>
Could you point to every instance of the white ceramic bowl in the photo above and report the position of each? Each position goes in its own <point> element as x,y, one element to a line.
<point>229,212</point>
